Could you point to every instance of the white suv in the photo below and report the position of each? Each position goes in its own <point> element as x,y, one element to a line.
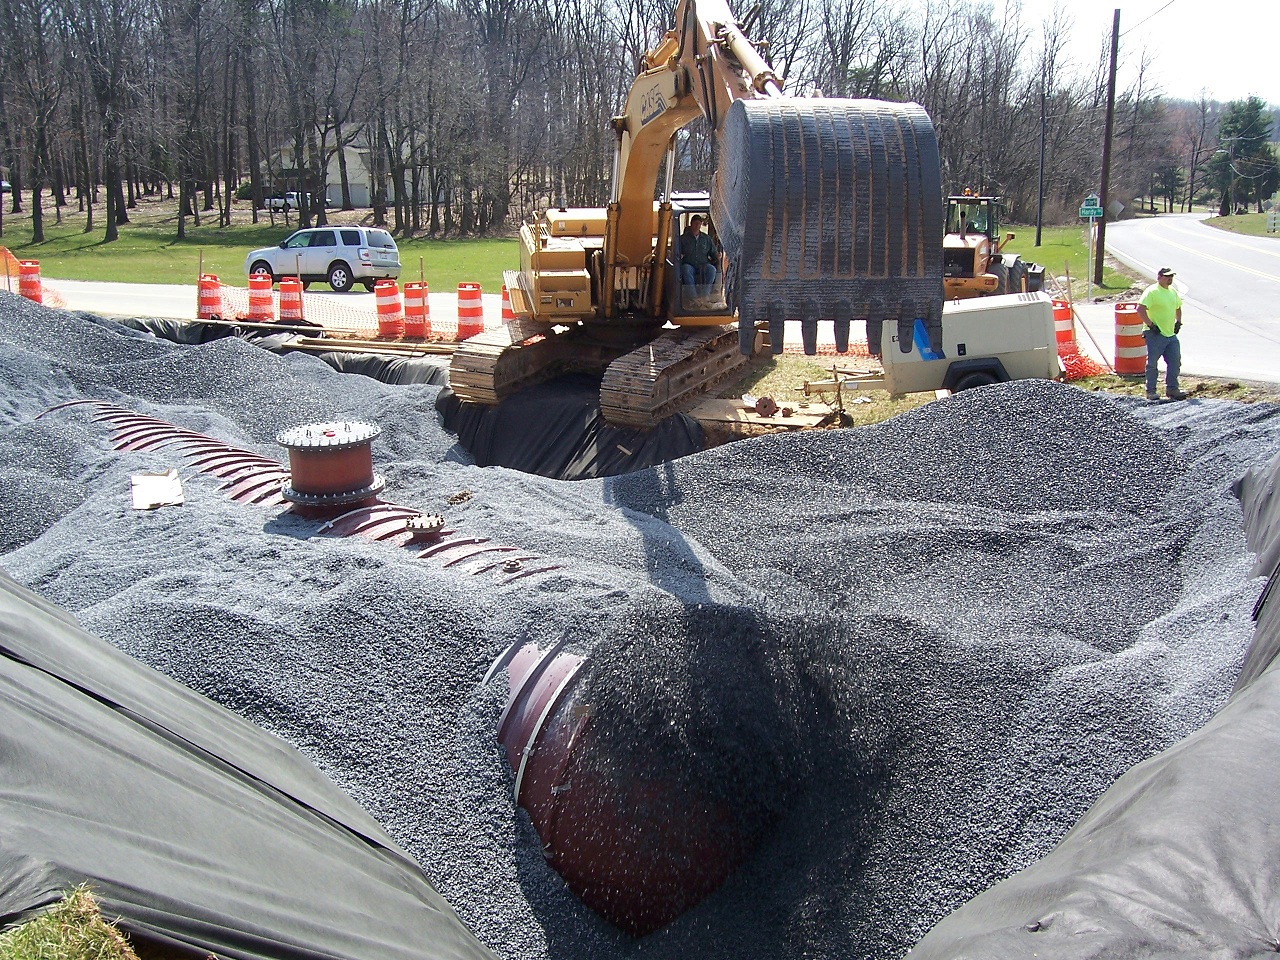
<point>339,255</point>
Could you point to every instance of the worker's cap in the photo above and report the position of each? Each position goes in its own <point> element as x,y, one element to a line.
<point>1164,272</point>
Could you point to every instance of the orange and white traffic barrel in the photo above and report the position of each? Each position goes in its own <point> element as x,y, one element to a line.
<point>390,311</point>
<point>417,309</point>
<point>209,298</point>
<point>508,314</point>
<point>261,306</point>
<point>1064,328</point>
<point>290,300</point>
<point>29,284</point>
<point>1131,348</point>
<point>470,311</point>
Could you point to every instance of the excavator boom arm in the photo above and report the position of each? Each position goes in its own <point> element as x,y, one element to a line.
<point>700,67</point>
<point>828,209</point>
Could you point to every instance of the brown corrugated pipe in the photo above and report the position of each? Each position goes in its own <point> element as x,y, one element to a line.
<point>639,851</point>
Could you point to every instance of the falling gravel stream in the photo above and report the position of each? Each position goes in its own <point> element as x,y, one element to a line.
<point>915,652</point>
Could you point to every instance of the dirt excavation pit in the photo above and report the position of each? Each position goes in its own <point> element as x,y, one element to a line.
<point>909,656</point>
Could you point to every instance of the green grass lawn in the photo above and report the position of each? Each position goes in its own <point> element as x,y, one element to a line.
<point>1253,224</point>
<point>147,251</point>
<point>72,930</point>
<point>1064,249</point>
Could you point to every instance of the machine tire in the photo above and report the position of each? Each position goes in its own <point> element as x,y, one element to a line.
<point>261,266</point>
<point>340,278</point>
<point>1017,273</point>
<point>1001,273</point>
<point>978,378</point>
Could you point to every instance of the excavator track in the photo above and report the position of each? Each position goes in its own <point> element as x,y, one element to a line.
<point>494,364</point>
<point>643,387</point>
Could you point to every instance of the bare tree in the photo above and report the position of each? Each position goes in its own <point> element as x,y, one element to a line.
<point>36,91</point>
<point>104,31</point>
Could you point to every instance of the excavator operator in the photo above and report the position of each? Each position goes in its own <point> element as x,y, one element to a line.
<point>698,258</point>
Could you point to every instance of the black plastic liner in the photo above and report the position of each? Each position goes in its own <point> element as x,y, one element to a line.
<point>1259,493</point>
<point>1178,857</point>
<point>193,825</point>
<point>556,430</point>
<point>396,370</point>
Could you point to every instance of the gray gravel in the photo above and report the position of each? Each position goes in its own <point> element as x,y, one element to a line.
<point>915,652</point>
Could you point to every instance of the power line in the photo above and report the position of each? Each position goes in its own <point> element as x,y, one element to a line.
<point>1148,17</point>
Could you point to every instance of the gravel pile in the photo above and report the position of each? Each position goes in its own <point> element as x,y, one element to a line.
<point>913,653</point>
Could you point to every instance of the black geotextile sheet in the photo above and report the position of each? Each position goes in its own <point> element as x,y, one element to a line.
<point>400,371</point>
<point>433,370</point>
<point>1179,857</point>
<point>1259,493</point>
<point>189,823</point>
<point>556,430</point>
<point>201,331</point>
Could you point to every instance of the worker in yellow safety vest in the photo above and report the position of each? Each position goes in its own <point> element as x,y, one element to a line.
<point>1160,309</point>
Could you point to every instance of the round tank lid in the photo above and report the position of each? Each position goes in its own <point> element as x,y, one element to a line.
<point>338,435</point>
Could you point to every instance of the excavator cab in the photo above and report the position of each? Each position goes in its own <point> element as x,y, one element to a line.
<point>695,264</point>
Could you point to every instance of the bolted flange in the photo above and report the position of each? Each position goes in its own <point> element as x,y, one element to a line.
<point>330,465</point>
<point>424,527</point>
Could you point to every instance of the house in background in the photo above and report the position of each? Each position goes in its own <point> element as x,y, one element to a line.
<point>281,175</point>
<point>359,177</point>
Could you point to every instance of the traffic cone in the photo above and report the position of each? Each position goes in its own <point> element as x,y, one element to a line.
<point>261,304</point>
<point>470,311</point>
<point>209,298</point>
<point>29,284</point>
<point>290,300</point>
<point>507,313</point>
<point>390,311</point>
<point>417,309</point>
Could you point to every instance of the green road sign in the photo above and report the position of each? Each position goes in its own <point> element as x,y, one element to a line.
<point>1092,212</point>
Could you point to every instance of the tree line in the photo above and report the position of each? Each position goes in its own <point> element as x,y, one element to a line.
<point>472,114</point>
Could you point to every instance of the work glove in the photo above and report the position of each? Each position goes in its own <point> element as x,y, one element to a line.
<point>1177,326</point>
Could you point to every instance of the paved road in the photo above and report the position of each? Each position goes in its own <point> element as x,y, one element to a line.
<point>127,299</point>
<point>1230,285</point>
<point>355,309</point>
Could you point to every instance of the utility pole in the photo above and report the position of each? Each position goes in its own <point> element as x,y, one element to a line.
<point>1106,150</point>
<point>1040,189</point>
<point>1231,174</point>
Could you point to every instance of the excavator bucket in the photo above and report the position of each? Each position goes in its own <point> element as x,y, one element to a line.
<point>831,209</point>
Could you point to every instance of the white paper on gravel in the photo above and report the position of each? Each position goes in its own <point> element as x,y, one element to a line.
<point>152,490</point>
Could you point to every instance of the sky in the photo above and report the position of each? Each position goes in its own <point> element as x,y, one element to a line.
<point>1226,48</point>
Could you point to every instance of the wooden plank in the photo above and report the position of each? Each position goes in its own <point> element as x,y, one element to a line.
<point>734,411</point>
<point>407,347</point>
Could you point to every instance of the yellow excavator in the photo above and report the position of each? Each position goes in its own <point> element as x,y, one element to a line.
<point>823,210</point>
